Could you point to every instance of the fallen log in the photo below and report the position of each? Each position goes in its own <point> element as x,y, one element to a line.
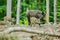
<point>30,30</point>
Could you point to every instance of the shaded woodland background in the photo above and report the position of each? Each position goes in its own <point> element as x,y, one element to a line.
<point>31,5</point>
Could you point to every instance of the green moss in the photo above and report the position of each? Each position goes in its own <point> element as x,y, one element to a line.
<point>8,37</point>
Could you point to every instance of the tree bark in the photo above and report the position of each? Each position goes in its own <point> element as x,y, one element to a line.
<point>55,16</point>
<point>18,12</point>
<point>9,2</point>
<point>47,11</point>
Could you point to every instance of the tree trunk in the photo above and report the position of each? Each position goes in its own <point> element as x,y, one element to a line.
<point>47,11</point>
<point>55,12</point>
<point>18,12</point>
<point>9,2</point>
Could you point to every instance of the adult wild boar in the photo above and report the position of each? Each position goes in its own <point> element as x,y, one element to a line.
<point>35,13</point>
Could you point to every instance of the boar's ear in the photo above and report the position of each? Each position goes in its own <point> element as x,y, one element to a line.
<point>43,13</point>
